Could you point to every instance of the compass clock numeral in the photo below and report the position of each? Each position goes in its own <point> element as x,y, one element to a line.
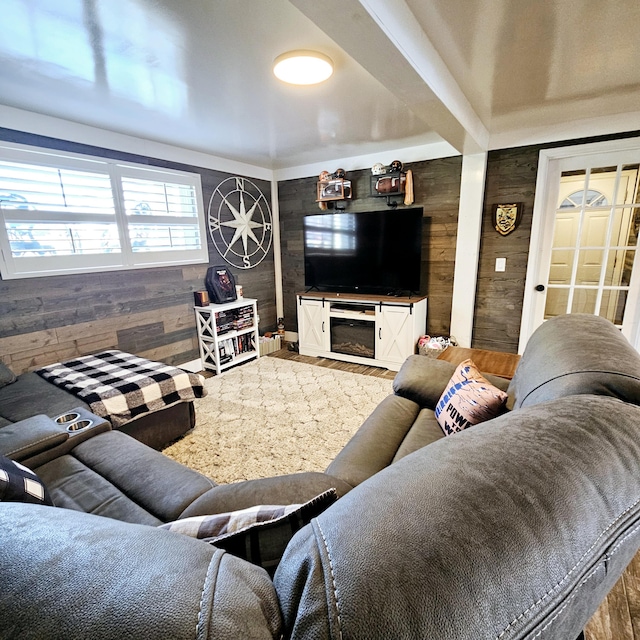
<point>237,201</point>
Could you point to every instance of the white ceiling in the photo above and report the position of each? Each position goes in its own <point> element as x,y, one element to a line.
<point>196,74</point>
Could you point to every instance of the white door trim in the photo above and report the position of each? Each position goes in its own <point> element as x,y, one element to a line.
<point>547,201</point>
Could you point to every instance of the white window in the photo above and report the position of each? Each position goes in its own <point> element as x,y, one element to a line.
<point>66,213</point>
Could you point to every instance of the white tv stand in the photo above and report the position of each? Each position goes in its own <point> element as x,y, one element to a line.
<point>380,331</point>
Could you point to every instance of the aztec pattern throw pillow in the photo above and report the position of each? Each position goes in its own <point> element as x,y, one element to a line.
<point>19,484</point>
<point>469,398</point>
<point>258,534</point>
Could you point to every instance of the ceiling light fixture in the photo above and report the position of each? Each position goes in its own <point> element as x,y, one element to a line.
<point>303,67</point>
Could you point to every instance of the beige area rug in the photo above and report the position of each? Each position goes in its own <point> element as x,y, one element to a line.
<point>274,416</point>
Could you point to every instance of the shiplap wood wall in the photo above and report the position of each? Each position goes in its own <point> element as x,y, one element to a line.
<point>511,177</point>
<point>437,190</point>
<point>148,312</point>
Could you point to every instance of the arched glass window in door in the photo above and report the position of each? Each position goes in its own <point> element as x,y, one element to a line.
<point>590,198</point>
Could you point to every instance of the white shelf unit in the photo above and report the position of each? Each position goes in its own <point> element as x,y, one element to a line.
<point>221,344</point>
<point>389,327</point>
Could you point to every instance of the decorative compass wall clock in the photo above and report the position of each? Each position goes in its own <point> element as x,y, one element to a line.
<point>240,222</point>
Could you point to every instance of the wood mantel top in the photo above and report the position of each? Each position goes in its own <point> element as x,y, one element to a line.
<point>360,297</point>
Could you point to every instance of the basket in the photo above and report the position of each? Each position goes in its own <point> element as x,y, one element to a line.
<point>432,347</point>
<point>269,345</point>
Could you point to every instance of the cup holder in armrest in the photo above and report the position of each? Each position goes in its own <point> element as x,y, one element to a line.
<point>79,425</point>
<point>73,421</point>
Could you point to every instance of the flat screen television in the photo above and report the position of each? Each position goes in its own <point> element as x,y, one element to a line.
<point>376,252</point>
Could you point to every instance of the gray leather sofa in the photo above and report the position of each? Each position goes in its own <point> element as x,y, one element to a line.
<point>28,395</point>
<point>514,528</point>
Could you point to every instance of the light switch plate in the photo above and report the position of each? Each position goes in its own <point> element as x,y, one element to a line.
<point>501,264</point>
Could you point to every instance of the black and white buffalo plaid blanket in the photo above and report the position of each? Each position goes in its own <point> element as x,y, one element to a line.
<point>120,386</point>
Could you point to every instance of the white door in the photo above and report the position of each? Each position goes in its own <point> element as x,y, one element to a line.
<point>584,237</point>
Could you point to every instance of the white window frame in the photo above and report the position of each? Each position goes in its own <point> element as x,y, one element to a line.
<point>46,265</point>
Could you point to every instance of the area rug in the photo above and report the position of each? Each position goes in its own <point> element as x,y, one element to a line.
<point>274,416</point>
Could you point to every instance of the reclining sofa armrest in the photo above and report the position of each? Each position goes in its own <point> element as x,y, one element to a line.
<point>375,444</point>
<point>294,488</point>
<point>29,437</point>
<point>92,577</point>
<point>423,380</point>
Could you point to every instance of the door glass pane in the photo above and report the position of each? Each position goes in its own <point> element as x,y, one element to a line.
<point>589,266</point>
<point>556,303</point>
<point>626,226</point>
<point>613,304</point>
<point>619,267</point>
<point>589,198</point>
<point>628,191</point>
<point>561,266</point>
<point>566,230</point>
<point>584,300</point>
<point>594,228</point>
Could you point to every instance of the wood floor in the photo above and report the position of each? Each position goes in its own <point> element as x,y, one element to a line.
<point>618,617</point>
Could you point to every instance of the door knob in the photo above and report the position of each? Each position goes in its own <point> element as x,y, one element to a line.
<point>539,287</point>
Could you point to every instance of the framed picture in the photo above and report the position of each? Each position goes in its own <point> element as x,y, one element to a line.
<point>338,189</point>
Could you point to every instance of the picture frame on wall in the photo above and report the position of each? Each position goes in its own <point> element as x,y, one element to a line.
<point>338,189</point>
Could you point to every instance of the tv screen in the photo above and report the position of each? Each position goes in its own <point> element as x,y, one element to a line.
<point>377,252</point>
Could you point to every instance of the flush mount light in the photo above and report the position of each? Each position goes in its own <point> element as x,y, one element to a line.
<point>303,67</point>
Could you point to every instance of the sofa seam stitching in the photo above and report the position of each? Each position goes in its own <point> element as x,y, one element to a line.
<point>31,444</point>
<point>586,579</point>
<point>550,591</point>
<point>205,584</point>
<point>333,579</point>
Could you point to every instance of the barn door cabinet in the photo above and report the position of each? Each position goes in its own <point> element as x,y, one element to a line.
<point>377,331</point>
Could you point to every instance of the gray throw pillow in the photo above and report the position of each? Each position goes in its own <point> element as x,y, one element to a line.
<point>6,375</point>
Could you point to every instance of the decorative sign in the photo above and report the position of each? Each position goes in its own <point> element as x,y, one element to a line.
<point>506,217</point>
<point>240,222</point>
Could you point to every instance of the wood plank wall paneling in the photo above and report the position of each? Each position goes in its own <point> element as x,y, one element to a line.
<point>511,177</point>
<point>145,311</point>
<point>437,190</point>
